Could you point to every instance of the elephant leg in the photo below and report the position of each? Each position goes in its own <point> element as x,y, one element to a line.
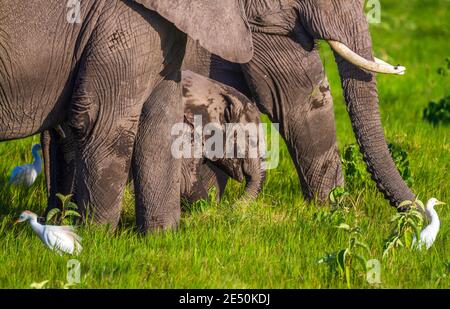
<point>59,164</point>
<point>213,176</point>
<point>103,162</point>
<point>156,171</point>
<point>104,122</point>
<point>47,144</point>
<point>208,176</point>
<point>311,137</point>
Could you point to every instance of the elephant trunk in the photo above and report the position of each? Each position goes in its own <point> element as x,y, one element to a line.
<point>254,175</point>
<point>361,96</point>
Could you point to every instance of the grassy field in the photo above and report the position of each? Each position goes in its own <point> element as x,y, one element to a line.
<point>277,241</point>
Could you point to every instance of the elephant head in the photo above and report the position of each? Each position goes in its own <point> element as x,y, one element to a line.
<point>232,114</point>
<point>244,114</point>
<point>219,26</point>
<point>344,25</point>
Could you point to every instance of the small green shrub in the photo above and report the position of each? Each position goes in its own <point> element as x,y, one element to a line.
<point>406,225</point>
<point>444,70</point>
<point>344,262</point>
<point>340,201</point>
<point>438,112</point>
<point>337,196</point>
<point>355,170</point>
<point>66,215</point>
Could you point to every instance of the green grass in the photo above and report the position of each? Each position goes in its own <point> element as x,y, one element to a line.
<point>277,241</point>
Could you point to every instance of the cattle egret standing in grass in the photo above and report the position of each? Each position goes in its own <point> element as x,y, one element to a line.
<point>27,174</point>
<point>61,239</point>
<point>429,233</point>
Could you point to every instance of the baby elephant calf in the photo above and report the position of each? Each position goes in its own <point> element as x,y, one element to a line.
<point>239,148</point>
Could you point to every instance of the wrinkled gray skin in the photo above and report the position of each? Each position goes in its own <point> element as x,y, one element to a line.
<point>216,103</point>
<point>115,79</point>
<point>286,78</point>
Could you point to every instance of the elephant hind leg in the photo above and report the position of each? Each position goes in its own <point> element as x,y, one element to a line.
<point>59,164</point>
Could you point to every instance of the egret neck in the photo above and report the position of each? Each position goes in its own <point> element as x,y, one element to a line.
<point>37,164</point>
<point>36,226</point>
<point>435,223</point>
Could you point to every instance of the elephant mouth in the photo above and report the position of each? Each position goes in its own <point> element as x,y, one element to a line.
<point>377,66</point>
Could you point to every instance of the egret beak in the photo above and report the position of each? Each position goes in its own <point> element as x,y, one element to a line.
<point>440,203</point>
<point>16,221</point>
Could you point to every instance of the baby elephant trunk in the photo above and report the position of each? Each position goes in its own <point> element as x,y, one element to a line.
<point>254,176</point>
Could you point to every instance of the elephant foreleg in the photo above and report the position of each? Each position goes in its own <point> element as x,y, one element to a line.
<point>212,176</point>
<point>102,170</point>
<point>104,123</point>
<point>310,133</point>
<point>156,171</point>
<point>206,176</point>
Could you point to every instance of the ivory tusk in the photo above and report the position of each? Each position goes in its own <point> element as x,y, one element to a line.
<point>377,66</point>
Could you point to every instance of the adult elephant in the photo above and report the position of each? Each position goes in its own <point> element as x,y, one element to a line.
<point>287,80</point>
<point>112,69</point>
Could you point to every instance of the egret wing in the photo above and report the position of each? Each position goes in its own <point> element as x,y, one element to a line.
<point>61,239</point>
<point>427,237</point>
<point>70,230</point>
<point>15,174</point>
<point>25,174</point>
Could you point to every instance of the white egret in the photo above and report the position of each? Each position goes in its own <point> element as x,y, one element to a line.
<point>429,233</point>
<point>61,239</point>
<point>26,174</point>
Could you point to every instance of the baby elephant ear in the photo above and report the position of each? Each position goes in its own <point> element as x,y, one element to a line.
<point>220,26</point>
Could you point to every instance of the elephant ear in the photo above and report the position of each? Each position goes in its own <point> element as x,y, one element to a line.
<point>220,26</point>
